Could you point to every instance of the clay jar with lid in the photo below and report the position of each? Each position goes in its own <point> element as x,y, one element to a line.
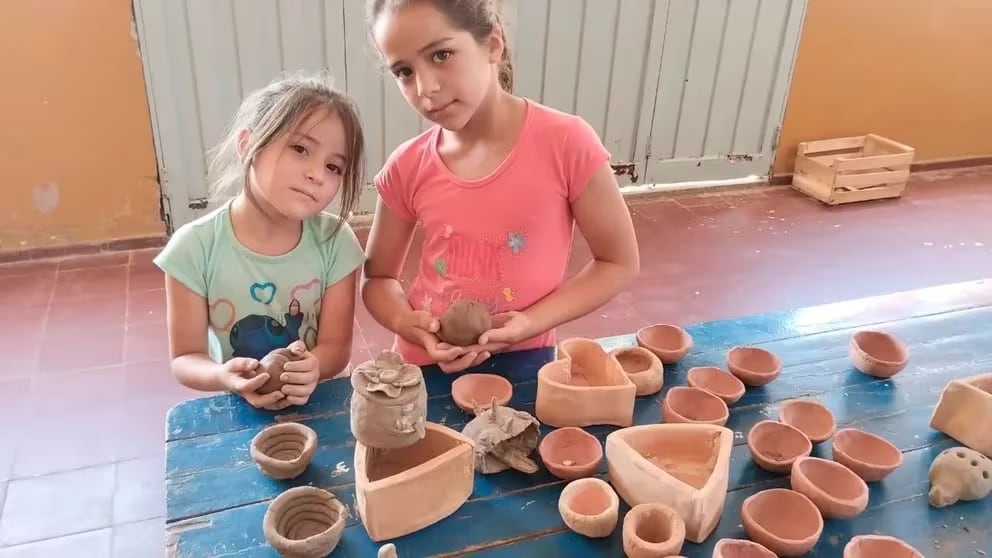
<point>570,453</point>
<point>689,404</point>
<point>724,385</point>
<point>589,507</point>
<point>870,457</point>
<point>652,530</point>
<point>670,342</point>
<point>643,367</point>
<point>740,548</point>
<point>388,402</point>
<point>833,488</point>
<point>775,446</point>
<point>878,353</point>
<point>809,417</point>
<point>783,521</point>
<point>477,390</point>
<point>879,546</point>
<point>753,365</point>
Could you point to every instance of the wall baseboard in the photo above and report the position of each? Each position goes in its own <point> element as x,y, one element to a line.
<point>82,249</point>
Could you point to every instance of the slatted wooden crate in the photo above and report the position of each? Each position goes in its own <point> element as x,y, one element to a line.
<point>852,169</point>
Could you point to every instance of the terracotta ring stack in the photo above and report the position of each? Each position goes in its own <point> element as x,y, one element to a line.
<point>283,451</point>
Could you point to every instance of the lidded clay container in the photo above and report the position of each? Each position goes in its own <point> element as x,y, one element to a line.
<point>388,402</point>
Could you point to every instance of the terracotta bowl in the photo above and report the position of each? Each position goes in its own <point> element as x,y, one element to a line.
<point>469,390</point>
<point>714,380</point>
<point>670,342</point>
<point>832,487</point>
<point>570,453</point>
<point>651,530</point>
<point>753,365</point>
<point>740,548</point>
<point>871,546</point>
<point>304,522</point>
<point>783,521</point>
<point>589,507</point>
<point>775,446</point>
<point>283,451</point>
<point>643,367</point>
<point>877,353</point>
<point>811,418</point>
<point>870,457</point>
<point>689,404</point>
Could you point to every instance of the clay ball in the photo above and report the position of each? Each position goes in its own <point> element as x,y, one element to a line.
<point>272,364</point>
<point>463,322</point>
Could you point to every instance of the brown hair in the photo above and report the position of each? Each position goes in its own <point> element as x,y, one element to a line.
<point>478,17</point>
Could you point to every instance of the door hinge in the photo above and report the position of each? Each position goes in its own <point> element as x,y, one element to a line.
<point>198,203</point>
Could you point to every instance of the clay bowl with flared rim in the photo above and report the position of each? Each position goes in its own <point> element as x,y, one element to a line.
<point>871,457</point>
<point>784,521</point>
<point>722,384</point>
<point>740,548</point>
<point>670,342</point>
<point>589,507</point>
<point>570,453</point>
<point>878,353</point>
<point>753,365</point>
<point>643,367</point>
<point>480,389</point>
<point>304,522</point>
<point>651,530</point>
<point>833,488</point>
<point>689,404</point>
<point>775,446</point>
<point>283,451</point>
<point>879,546</point>
<point>811,418</point>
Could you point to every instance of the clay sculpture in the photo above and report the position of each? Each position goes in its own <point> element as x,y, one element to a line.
<point>740,548</point>
<point>388,402</point>
<point>463,322</point>
<point>809,417</point>
<point>473,390</point>
<point>959,474</point>
<point>833,488</point>
<point>304,522</point>
<point>753,365</point>
<point>503,438</point>
<point>584,386</point>
<point>964,410</point>
<point>570,453</point>
<point>272,364</point>
<point>670,342</point>
<point>870,457</point>
<point>589,507</point>
<point>783,521</point>
<point>431,478</point>
<point>714,380</point>
<point>643,367</point>
<point>689,404</point>
<point>652,531</point>
<point>283,451</point>
<point>872,546</point>
<point>775,446</point>
<point>877,353</point>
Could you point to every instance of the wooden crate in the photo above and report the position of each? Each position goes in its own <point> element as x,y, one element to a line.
<point>852,169</point>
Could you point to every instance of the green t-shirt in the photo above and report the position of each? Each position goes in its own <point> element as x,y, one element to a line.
<point>258,303</point>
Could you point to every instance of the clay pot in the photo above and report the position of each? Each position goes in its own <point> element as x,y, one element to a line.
<point>878,354</point>
<point>388,402</point>
<point>878,546</point>
<point>775,446</point>
<point>753,365</point>
<point>959,474</point>
<point>272,364</point>
<point>740,548</point>
<point>809,417</point>
<point>714,380</point>
<point>570,453</point>
<point>689,404</point>
<point>585,386</point>
<point>478,390</point>
<point>783,521</point>
<point>652,531</point>
<point>589,507</point>
<point>463,322</point>
<point>304,522</point>
<point>670,342</point>
<point>832,487</point>
<point>283,451</point>
<point>870,457</point>
<point>643,368</point>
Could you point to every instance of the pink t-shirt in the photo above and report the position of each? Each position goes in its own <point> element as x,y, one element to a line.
<point>504,239</point>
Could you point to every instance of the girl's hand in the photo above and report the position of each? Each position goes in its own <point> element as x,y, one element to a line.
<point>300,376</point>
<point>508,329</point>
<point>467,356</point>
<point>235,377</point>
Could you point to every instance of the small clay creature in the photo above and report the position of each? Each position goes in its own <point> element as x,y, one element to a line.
<point>272,364</point>
<point>959,474</point>
<point>504,437</point>
<point>463,322</point>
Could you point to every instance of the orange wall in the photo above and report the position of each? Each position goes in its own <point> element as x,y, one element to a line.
<point>913,70</point>
<point>77,162</point>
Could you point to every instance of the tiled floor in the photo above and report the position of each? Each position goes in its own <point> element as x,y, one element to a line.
<point>84,380</point>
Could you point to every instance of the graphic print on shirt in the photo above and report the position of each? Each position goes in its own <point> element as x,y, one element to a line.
<point>256,334</point>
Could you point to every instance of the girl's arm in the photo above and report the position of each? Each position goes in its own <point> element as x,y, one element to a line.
<point>336,326</point>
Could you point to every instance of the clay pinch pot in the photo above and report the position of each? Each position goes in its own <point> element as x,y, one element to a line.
<point>740,548</point>
<point>784,521</point>
<point>589,507</point>
<point>809,417</point>
<point>871,457</point>
<point>272,364</point>
<point>775,446</point>
<point>753,365</point>
<point>570,453</point>
<point>880,546</point>
<point>689,404</point>
<point>652,531</point>
<point>714,380</point>
<point>503,438</point>
<point>283,451</point>
<point>670,342</point>
<point>832,487</point>
<point>472,390</point>
<point>584,386</point>
<point>878,353</point>
<point>643,367</point>
<point>304,522</point>
<point>959,474</point>
<point>463,322</point>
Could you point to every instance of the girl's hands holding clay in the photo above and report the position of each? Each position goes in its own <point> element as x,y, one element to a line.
<point>301,376</point>
<point>419,326</point>
<point>508,329</point>
<point>236,377</point>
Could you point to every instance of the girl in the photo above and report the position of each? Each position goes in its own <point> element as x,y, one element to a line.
<point>270,268</point>
<point>496,184</point>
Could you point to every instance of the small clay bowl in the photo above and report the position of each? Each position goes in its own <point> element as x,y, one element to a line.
<point>643,367</point>
<point>589,507</point>
<point>740,548</point>
<point>471,390</point>
<point>783,521</point>
<point>871,457</point>
<point>689,404</point>
<point>714,380</point>
<point>283,451</point>
<point>753,365</point>
<point>811,418</point>
<point>304,522</point>
<point>879,546</point>
<point>832,487</point>
<point>775,446</point>
<point>652,530</point>
<point>570,453</point>
<point>877,353</point>
<point>670,342</point>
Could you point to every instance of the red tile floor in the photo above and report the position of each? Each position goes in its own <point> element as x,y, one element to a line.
<point>85,384</point>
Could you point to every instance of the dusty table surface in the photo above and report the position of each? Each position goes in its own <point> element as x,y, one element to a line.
<point>216,496</point>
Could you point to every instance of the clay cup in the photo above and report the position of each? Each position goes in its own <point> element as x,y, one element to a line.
<point>652,530</point>
<point>283,451</point>
<point>304,522</point>
<point>589,507</point>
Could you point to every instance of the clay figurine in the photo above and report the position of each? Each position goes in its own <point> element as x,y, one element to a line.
<point>964,412</point>
<point>503,438</point>
<point>589,507</point>
<point>272,364</point>
<point>643,367</point>
<point>283,451</point>
<point>472,390</point>
<point>304,522</point>
<point>783,521</point>
<point>388,402</point>
<point>959,474</point>
<point>585,386</point>
<point>463,322</point>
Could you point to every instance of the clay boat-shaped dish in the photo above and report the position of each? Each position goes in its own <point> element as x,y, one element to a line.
<point>685,466</point>
<point>871,457</point>
<point>689,404</point>
<point>589,507</point>
<point>783,521</point>
<point>304,522</point>
<point>652,530</point>
<point>283,451</point>
<point>809,417</point>
<point>878,353</point>
<point>753,365</point>
<point>643,367</point>
<point>670,342</point>
<point>964,410</point>
<point>583,387</point>
<point>880,546</point>
<point>740,548</point>
<point>570,453</point>
<point>714,380</point>
<point>833,488</point>
<point>478,390</point>
<point>775,446</point>
<point>399,491</point>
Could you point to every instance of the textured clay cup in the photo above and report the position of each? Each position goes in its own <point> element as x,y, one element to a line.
<point>283,451</point>
<point>570,453</point>
<point>809,417</point>
<point>471,390</point>
<point>753,365</point>
<point>870,457</point>
<point>872,546</point>
<point>877,353</point>
<point>589,507</point>
<point>783,521</point>
<point>714,380</point>
<point>643,367</point>
<point>775,446</point>
<point>670,342</point>
<point>652,530</point>
<point>689,404</point>
<point>833,488</point>
<point>304,522</point>
<point>740,548</point>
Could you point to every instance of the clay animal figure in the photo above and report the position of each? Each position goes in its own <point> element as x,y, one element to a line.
<point>273,364</point>
<point>388,402</point>
<point>463,322</point>
<point>959,474</point>
<point>504,437</point>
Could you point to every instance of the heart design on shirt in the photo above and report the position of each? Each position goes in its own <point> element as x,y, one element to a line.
<point>294,292</point>
<point>222,312</point>
<point>266,290</point>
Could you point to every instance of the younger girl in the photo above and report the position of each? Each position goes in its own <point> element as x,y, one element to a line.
<point>270,268</point>
<point>496,185</point>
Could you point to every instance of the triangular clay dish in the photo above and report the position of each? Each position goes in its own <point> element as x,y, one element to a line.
<point>685,466</point>
<point>399,491</point>
<point>585,386</point>
<point>964,412</point>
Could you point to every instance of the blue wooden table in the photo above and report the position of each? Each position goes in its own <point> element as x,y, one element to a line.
<point>217,497</point>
